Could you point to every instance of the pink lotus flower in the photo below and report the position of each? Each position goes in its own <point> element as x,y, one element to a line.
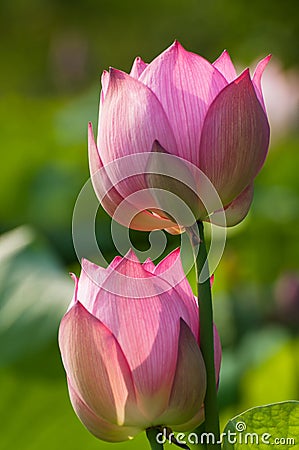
<point>201,112</point>
<point>133,360</point>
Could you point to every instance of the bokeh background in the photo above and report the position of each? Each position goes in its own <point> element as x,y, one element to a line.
<point>52,55</point>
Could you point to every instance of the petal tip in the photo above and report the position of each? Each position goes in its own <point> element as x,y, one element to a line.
<point>90,130</point>
<point>245,75</point>
<point>115,73</point>
<point>131,256</point>
<point>75,296</point>
<point>176,46</point>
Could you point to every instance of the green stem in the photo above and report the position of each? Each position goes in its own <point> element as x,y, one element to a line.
<point>151,434</point>
<point>211,424</point>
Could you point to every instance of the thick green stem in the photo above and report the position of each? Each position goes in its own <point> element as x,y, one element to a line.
<point>151,434</point>
<point>211,424</point>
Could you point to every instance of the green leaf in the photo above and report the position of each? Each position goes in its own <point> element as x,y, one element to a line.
<point>34,294</point>
<point>257,428</point>
<point>36,413</point>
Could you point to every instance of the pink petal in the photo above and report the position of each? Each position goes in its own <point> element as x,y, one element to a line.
<point>189,386</point>
<point>138,67</point>
<point>237,210</point>
<point>96,366</point>
<point>149,265</point>
<point>150,345</point>
<point>171,270</point>
<point>105,82</point>
<point>257,79</point>
<point>99,427</point>
<point>174,185</point>
<point>104,189</point>
<point>110,198</point>
<point>145,221</point>
<point>75,295</point>
<point>185,84</point>
<point>115,262</point>
<point>225,66</point>
<point>235,139</point>
<point>131,119</point>
<point>89,285</point>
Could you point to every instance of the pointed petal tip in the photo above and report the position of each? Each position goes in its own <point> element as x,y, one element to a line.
<point>224,53</point>
<point>176,253</point>
<point>225,66</point>
<point>91,139</point>
<point>76,281</point>
<point>259,70</point>
<point>73,276</point>
<point>257,78</point>
<point>245,75</point>
<point>131,256</point>
<point>114,74</point>
<point>85,263</point>
<point>148,261</point>
<point>130,266</point>
<point>182,323</point>
<point>157,147</point>
<point>176,45</point>
<point>90,131</point>
<point>169,261</point>
<point>138,67</point>
<point>267,58</point>
<point>95,162</point>
<point>104,75</point>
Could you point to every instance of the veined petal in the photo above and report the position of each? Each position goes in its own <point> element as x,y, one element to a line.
<point>257,79</point>
<point>189,386</point>
<point>131,119</point>
<point>105,82</point>
<point>171,270</point>
<point>110,198</point>
<point>104,189</point>
<point>237,210</point>
<point>99,427</point>
<point>75,295</point>
<point>186,84</point>
<point>138,67</point>
<point>150,345</point>
<point>234,139</point>
<point>91,278</point>
<point>96,367</point>
<point>149,265</point>
<point>225,66</point>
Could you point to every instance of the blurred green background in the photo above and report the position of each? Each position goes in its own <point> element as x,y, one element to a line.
<point>52,55</point>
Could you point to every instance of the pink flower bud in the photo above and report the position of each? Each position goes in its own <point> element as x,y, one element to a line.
<point>133,359</point>
<point>202,113</point>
